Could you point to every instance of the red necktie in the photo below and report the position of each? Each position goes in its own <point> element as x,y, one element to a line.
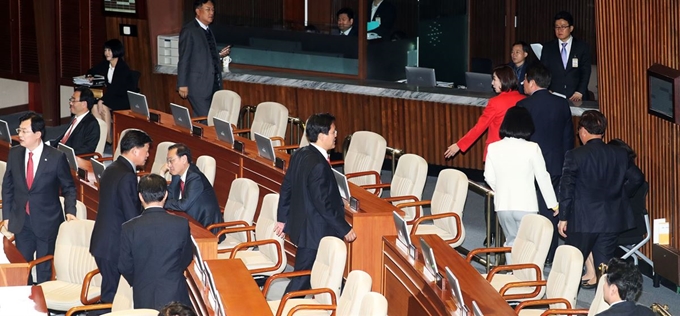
<point>29,176</point>
<point>70,130</point>
<point>181,187</point>
<point>329,160</point>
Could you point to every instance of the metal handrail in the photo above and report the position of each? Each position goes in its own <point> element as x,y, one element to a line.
<point>245,117</point>
<point>489,208</point>
<point>295,134</point>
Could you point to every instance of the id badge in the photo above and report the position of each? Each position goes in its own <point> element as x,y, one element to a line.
<point>574,62</point>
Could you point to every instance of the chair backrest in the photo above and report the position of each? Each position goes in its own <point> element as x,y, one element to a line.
<point>565,275</point>
<point>637,204</point>
<point>241,203</point>
<point>265,229</point>
<point>409,179</point>
<point>303,140</point>
<point>226,105</point>
<point>208,166</point>
<point>103,131</point>
<point>357,286</point>
<point>116,153</point>
<point>366,152</point>
<point>599,305</point>
<point>72,258</point>
<point>81,210</point>
<point>271,119</point>
<point>161,158</point>
<point>374,304</point>
<point>328,267</point>
<point>449,196</point>
<point>530,245</point>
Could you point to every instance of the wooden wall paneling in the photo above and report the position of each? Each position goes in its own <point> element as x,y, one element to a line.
<point>321,15</point>
<point>7,20</point>
<point>487,31</point>
<point>166,19</point>
<point>535,21</point>
<point>71,29</point>
<point>45,25</point>
<point>28,43</point>
<point>652,27</point>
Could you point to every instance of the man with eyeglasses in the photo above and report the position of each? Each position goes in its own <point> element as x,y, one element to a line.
<point>568,60</point>
<point>190,191</point>
<point>83,132</point>
<point>34,178</point>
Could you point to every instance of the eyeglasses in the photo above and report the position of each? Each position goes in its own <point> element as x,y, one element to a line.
<point>23,131</point>
<point>73,100</point>
<point>171,160</point>
<point>562,27</point>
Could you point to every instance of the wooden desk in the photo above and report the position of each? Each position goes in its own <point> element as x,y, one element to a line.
<point>239,293</point>
<point>373,220</point>
<point>410,293</point>
<point>16,272</point>
<point>14,302</point>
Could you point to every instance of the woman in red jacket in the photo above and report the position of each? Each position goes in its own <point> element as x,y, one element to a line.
<point>505,83</point>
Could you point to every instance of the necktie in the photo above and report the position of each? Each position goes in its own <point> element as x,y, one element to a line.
<point>329,160</point>
<point>564,55</point>
<point>29,176</point>
<point>181,187</point>
<point>68,133</point>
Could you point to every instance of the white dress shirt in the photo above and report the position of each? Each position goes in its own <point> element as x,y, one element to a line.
<point>346,32</point>
<point>321,150</point>
<point>183,178</point>
<point>77,118</point>
<point>569,41</point>
<point>374,8</point>
<point>109,74</point>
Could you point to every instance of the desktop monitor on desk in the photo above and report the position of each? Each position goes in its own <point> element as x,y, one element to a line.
<point>138,104</point>
<point>181,116</point>
<point>265,148</point>
<point>478,82</point>
<point>224,130</point>
<point>421,77</point>
<point>5,136</point>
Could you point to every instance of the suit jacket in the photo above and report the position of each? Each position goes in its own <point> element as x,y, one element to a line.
<point>491,119</point>
<point>569,80</point>
<point>53,174</point>
<point>310,202</point>
<point>195,69</point>
<point>386,14</point>
<point>593,191</point>
<point>84,137</point>
<point>354,31</point>
<point>124,79</point>
<point>198,201</point>
<point>520,71</point>
<point>627,308</point>
<point>511,166</point>
<point>155,249</point>
<point>118,203</point>
<point>554,129</point>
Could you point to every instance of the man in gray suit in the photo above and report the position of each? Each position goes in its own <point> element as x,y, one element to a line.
<point>199,71</point>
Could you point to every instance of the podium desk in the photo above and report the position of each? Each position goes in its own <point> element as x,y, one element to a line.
<point>14,273</point>
<point>409,291</point>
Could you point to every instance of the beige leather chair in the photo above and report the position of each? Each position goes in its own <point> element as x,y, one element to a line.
<point>76,278</point>
<point>225,105</point>
<point>161,158</point>
<point>326,278</point>
<point>374,304</point>
<point>597,306</point>
<point>407,183</point>
<point>208,166</point>
<point>122,304</point>
<point>447,205</point>
<point>116,152</point>
<point>81,210</point>
<point>364,159</point>
<point>269,257</point>
<point>562,284</point>
<point>238,212</point>
<point>271,120</point>
<point>103,131</point>
<point>528,258</point>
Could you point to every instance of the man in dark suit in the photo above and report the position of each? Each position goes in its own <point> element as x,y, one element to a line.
<point>157,277</point>
<point>594,206</point>
<point>31,209</point>
<point>199,70</point>
<point>118,203</point>
<point>310,206</point>
<point>568,59</point>
<point>346,22</point>
<point>83,133</point>
<point>190,191</point>
<point>385,13</point>
<point>554,133</point>
<point>622,287</point>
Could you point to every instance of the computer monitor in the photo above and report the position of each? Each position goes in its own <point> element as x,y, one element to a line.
<point>138,103</point>
<point>181,116</point>
<point>265,148</point>
<point>402,229</point>
<point>224,130</point>
<point>70,156</point>
<point>421,77</point>
<point>5,136</point>
<point>479,82</point>
<point>97,169</point>
<point>476,310</point>
<point>455,287</point>
<point>343,186</point>
<point>428,255</point>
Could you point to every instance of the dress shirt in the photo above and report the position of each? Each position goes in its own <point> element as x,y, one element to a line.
<point>183,178</point>
<point>374,8</point>
<point>37,152</point>
<point>109,74</point>
<point>203,26</point>
<point>323,152</point>
<point>569,41</point>
<point>78,118</point>
<point>346,32</point>
<point>131,164</point>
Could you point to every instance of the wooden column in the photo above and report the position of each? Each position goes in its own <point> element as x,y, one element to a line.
<point>46,26</point>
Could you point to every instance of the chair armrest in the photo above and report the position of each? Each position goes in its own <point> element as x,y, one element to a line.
<point>289,295</point>
<point>455,216</point>
<point>415,203</point>
<point>102,159</point>
<point>79,309</point>
<point>279,139</point>
<point>474,252</point>
<point>537,284</point>
<point>246,245</point>
<point>541,302</point>
<point>244,228</point>
<point>283,275</point>
<point>241,130</point>
<point>40,260</point>
<point>307,307</point>
<point>376,186</point>
<point>229,224</point>
<point>364,173</point>
<point>287,147</point>
<point>512,267</point>
<point>337,162</point>
<point>565,312</point>
<point>94,155</point>
<point>86,288</point>
<point>199,118</point>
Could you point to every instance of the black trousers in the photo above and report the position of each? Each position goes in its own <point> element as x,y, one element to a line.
<point>602,245</point>
<point>29,245</point>
<point>108,268</point>
<point>304,260</point>
<point>548,213</point>
<point>201,103</point>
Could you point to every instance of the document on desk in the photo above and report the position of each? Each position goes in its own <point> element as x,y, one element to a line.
<point>16,300</point>
<point>85,81</point>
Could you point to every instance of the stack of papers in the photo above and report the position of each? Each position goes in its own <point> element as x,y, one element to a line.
<point>84,80</point>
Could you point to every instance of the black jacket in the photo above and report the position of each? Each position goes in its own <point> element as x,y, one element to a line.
<point>569,80</point>
<point>84,137</point>
<point>124,79</point>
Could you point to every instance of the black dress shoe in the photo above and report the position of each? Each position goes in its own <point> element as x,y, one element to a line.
<point>587,286</point>
<point>493,238</point>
